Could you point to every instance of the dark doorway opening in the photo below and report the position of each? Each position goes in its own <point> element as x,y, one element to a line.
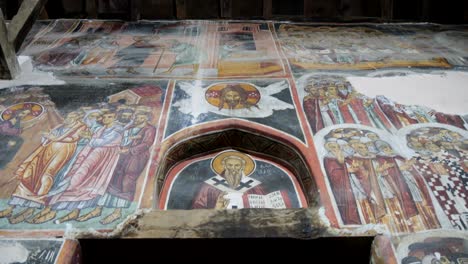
<point>326,250</point>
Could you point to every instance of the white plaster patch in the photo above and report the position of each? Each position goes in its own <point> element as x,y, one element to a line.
<point>445,92</point>
<point>12,252</point>
<point>30,76</point>
<point>323,217</point>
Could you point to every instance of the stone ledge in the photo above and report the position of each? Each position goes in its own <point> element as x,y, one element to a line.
<point>242,223</point>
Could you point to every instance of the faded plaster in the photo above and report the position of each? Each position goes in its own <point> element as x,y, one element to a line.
<point>445,91</point>
<point>30,76</point>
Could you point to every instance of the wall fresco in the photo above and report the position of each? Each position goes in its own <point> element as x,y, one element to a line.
<point>266,102</point>
<point>232,180</point>
<point>441,246</point>
<point>71,154</point>
<point>331,100</point>
<point>368,47</point>
<point>149,111</point>
<point>33,251</point>
<point>155,49</point>
<point>427,149</point>
<point>414,180</point>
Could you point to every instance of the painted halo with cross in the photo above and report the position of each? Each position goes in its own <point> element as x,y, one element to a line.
<point>217,165</point>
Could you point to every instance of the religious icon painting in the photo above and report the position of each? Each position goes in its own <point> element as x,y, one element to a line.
<point>155,49</point>
<point>412,181</point>
<point>440,246</point>
<point>231,180</point>
<point>71,155</point>
<point>359,47</point>
<point>440,154</point>
<point>329,100</point>
<point>374,179</point>
<point>264,102</point>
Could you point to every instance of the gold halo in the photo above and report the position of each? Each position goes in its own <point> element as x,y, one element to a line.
<point>213,92</point>
<point>36,111</point>
<point>217,166</point>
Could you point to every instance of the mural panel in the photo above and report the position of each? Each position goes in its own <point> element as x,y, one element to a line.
<point>441,246</point>
<point>155,49</point>
<point>441,156</point>
<point>368,47</point>
<point>30,251</point>
<point>262,101</point>
<point>69,153</point>
<point>414,180</point>
<point>231,180</point>
<point>330,100</point>
<point>435,249</point>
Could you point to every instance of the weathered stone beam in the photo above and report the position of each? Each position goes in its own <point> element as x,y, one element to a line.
<point>243,223</point>
<point>9,67</point>
<point>23,21</point>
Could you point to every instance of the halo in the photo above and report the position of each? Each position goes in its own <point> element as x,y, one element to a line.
<point>217,166</point>
<point>213,93</point>
<point>36,111</point>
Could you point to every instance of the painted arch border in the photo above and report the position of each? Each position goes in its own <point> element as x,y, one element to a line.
<point>174,173</point>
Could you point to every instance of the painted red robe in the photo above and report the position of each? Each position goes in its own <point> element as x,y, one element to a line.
<point>454,120</point>
<point>368,181</point>
<point>93,169</point>
<point>131,164</point>
<point>356,104</point>
<point>313,114</point>
<point>396,117</point>
<point>341,187</point>
<point>397,181</point>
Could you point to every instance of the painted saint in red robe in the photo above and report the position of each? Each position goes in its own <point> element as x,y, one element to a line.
<point>338,176</point>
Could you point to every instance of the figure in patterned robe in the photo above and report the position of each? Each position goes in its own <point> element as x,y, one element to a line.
<point>447,181</point>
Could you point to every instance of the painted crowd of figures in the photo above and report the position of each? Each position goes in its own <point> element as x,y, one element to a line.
<point>335,101</point>
<point>390,189</point>
<point>92,159</point>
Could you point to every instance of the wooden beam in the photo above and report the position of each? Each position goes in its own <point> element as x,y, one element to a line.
<point>9,67</point>
<point>267,8</point>
<point>23,21</point>
<point>424,10</point>
<point>308,8</point>
<point>323,9</point>
<point>387,9</point>
<point>181,9</point>
<point>91,8</point>
<point>44,15</point>
<point>226,8</point>
<point>157,9</point>
<point>135,10</point>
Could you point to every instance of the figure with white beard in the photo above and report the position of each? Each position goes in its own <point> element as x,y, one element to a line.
<point>232,188</point>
